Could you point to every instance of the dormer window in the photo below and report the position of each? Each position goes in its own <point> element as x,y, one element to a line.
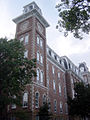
<point>60,61</point>
<point>49,52</point>
<point>30,7</point>
<point>55,57</point>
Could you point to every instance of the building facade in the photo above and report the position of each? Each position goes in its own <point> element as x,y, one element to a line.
<point>55,75</point>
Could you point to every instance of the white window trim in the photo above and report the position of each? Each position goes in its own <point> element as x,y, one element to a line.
<point>38,56</point>
<point>24,101</point>
<point>26,41</point>
<point>61,104</point>
<point>39,75</point>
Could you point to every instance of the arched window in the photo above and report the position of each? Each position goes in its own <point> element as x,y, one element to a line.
<point>38,72</point>
<point>44,99</point>
<point>41,76</point>
<point>37,100</point>
<point>25,99</point>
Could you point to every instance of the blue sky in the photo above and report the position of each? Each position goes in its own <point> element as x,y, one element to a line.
<point>77,50</point>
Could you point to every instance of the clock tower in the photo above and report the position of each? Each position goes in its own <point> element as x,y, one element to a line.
<point>31,29</point>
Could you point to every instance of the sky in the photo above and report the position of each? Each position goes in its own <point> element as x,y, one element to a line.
<point>76,50</point>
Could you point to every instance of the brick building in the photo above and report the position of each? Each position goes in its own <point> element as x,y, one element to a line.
<point>55,75</point>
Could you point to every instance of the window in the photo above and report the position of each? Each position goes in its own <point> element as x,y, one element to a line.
<point>41,43</point>
<point>41,59</point>
<point>38,56</point>
<point>65,92</point>
<point>25,99</point>
<point>41,76</point>
<point>38,40</point>
<point>44,99</point>
<point>60,90</point>
<point>26,39</point>
<point>37,100</point>
<point>26,54</point>
<point>58,75</point>
<point>55,57</point>
<point>49,52</point>
<point>66,108</point>
<point>37,117</point>
<point>61,107</point>
<point>53,69</point>
<point>54,86</point>
<point>55,106</point>
<point>48,82</point>
<point>38,71</point>
<point>21,39</point>
<point>72,93</point>
<point>13,106</point>
<point>72,80</point>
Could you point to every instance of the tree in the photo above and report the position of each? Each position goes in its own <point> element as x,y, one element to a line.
<point>74,17</point>
<point>44,113</point>
<point>15,72</point>
<point>80,105</point>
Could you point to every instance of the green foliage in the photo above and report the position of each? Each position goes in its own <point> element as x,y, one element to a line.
<point>44,113</point>
<point>15,72</point>
<point>74,17</point>
<point>80,105</point>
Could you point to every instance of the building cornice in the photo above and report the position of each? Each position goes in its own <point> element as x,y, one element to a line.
<point>34,12</point>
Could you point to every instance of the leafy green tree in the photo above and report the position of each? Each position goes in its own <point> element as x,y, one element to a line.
<point>44,113</point>
<point>80,105</point>
<point>15,72</point>
<point>74,17</point>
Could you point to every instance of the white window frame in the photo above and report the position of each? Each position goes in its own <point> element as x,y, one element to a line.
<point>26,38</point>
<point>38,56</point>
<point>25,99</point>
<point>53,69</point>
<point>58,74</point>
<point>61,107</point>
<point>41,76</point>
<point>41,43</point>
<point>26,54</point>
<point>21,39</point>
<point>54,85</point>
<point>38,75</point>
<point>41,59</point>
<point>60,90</point>
<point>38,39</point>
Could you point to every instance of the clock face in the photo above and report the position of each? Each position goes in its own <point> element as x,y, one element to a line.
<point>24,25</point>
<point>40,28</point>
